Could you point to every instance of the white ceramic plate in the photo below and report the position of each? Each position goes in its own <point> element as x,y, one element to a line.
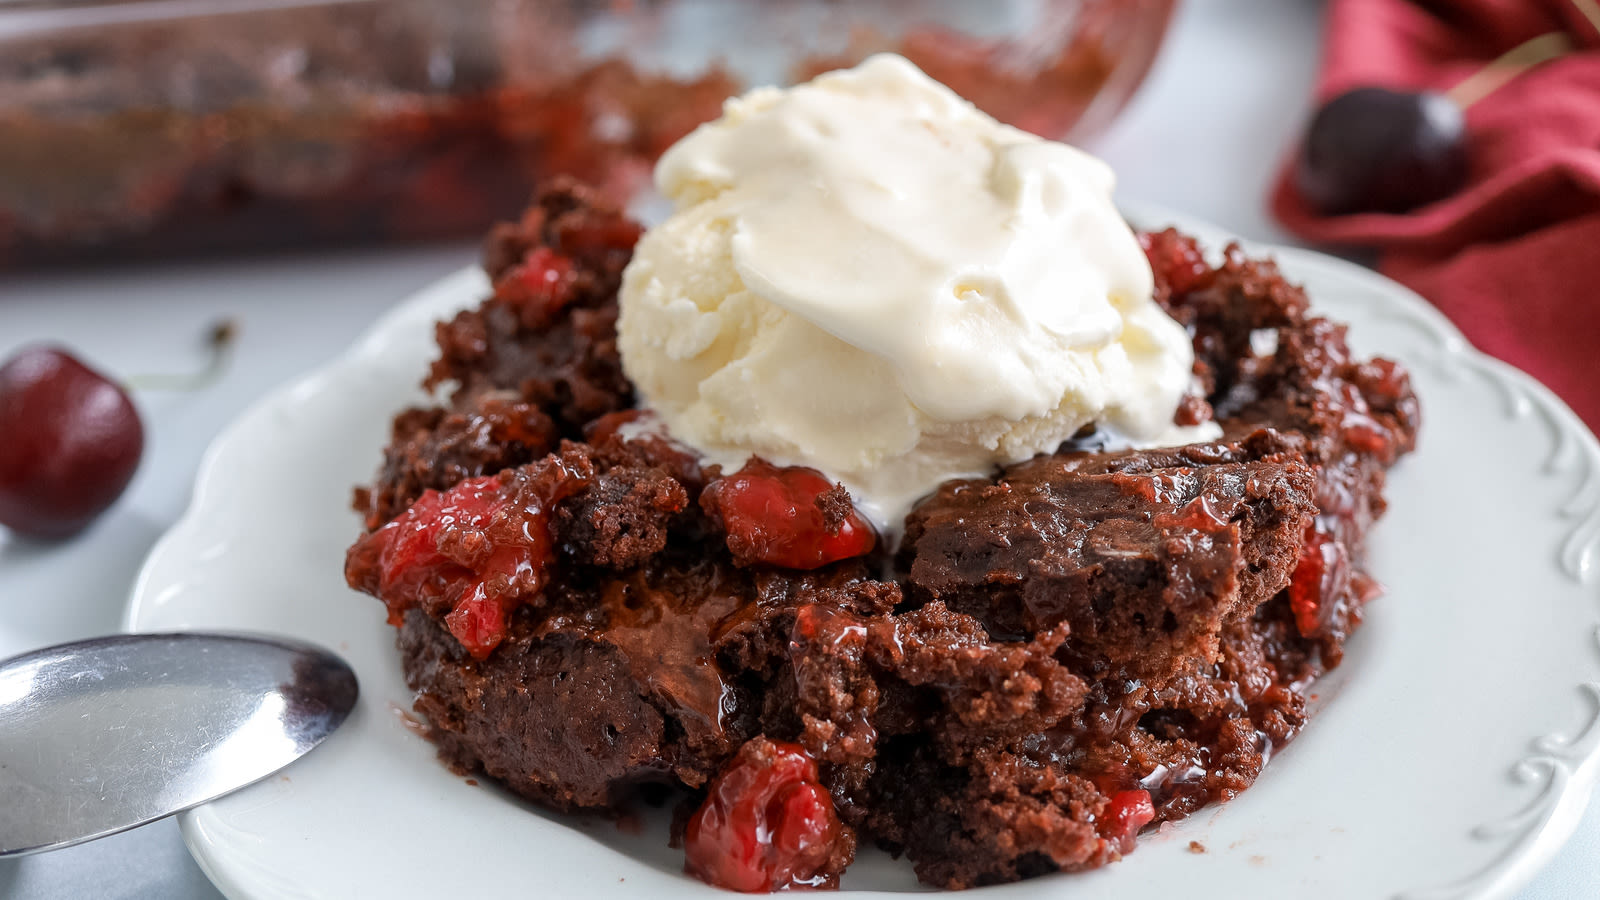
<point>1454,751</point>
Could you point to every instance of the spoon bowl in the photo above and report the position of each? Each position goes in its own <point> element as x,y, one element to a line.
<point>103,735</point>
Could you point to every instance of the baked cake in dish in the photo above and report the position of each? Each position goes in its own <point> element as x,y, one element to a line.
<point>1042,663</point>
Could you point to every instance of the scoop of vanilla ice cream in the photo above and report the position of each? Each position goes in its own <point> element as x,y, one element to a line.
<point>867,275</point>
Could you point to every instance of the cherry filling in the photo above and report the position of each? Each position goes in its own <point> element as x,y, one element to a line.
<point>1176,261</point>
<point>1320,578</point>
<point>1126,813</point>
<point>767,824</point>
<point>472,553</point>
<point>1378,386</point>
<point>790,517</point>
<point>540,286</point>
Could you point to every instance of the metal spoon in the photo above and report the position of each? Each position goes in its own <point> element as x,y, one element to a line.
<point>99,736</point>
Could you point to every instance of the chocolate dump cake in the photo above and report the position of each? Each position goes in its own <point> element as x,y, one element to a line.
<point>1055,657</point>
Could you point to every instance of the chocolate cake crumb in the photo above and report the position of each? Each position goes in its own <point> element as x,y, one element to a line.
<point>836,507</point>
<point>621,520</point>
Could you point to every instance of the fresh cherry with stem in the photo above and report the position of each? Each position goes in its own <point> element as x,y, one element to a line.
<point>72,441</point>
<point>1372,149</point>
<point>70,437</point>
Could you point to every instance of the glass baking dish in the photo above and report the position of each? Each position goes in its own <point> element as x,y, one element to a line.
<point>139,128</point>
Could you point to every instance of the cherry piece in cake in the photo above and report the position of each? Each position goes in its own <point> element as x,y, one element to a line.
<point>1126,813</point>
<point>768,824</point>
<point>541,285</point>
<point>1321,576</point>
<point>790,517</point>
<point>1176,261</point>
<point>475,550</point>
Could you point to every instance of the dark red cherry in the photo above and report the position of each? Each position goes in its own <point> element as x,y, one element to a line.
<point>1320,580</point>
<point>772,515</point>
<point>70,441</point>
<point>767,824</point>
<point>1376,150</point>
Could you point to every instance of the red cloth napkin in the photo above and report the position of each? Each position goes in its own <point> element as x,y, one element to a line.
<point>1514,257</point>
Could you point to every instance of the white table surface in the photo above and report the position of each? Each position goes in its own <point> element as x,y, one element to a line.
<point>1204,136</point>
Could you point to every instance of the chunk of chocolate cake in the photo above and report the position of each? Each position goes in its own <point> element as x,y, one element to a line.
<point>1146,555</point>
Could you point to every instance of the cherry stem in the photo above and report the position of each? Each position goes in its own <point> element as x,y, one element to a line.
<point>219,344</point>
<point>1590,10</point>
<point>1512,63</point>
